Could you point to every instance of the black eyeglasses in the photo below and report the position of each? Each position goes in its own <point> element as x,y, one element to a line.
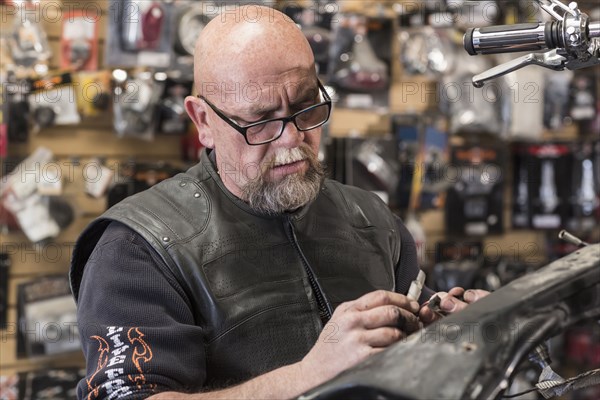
<point>262,132</point>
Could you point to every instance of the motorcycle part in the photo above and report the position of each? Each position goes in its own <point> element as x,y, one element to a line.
<point>191,22</point>
<point>574,42</point>
<point>142,30</point>
<point>569,237</point>
<point>18,124</point>
<point>61,211</point>
<point>44,116</point>
<point>426,51</point>
<point>28,42</point>
<point>79,53</point>
<point>548,196</point>
<point>487,340</point>
<point>101,101</point>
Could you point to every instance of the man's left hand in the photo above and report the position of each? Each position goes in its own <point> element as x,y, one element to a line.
<point>451,302</point>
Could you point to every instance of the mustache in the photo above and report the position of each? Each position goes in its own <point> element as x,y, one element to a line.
<point>291,192</point>
<point>288,156</point>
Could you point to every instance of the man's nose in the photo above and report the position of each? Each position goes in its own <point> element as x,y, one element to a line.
<point>291,136</point>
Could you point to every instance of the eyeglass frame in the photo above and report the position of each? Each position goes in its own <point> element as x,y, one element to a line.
<point>292,118</point>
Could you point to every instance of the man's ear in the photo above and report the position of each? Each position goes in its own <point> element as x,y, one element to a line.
<point>196,109</point>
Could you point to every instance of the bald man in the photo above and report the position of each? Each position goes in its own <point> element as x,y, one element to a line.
<point>250,275</point>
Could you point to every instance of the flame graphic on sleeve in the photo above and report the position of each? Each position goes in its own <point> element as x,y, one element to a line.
<point>103,350</point>
<point>141,353</point>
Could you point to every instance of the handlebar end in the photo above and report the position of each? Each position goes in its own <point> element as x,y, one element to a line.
<point>468,42</point>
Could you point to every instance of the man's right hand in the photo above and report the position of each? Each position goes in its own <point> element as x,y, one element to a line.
<point>358,329</point>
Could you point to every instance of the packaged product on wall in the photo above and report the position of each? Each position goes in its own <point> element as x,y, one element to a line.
<point>52,101</point>
<point>136,96</point>
<point>556,99</point>
<point>315,20</point>
<point>172,117</point>
<point>521,196</point>
<point>582,97</point>
<point>545,185</point>
<point>423,159</point>
<point>139,33</point>
<point>585,188</point>
<point>79,41</point>
<point>549,185</point>
<point>368,163</point>
<point>98,187</point>
<point>525,92</point>
<point>61,383</point>
<point>31,194</point>
<point>474,202</point>
<point>9,384</point>
<point>93,92</point>
<point>427,51</point>
<point>28,42</point>
<point>47,318</point>
<point>475,111</point>
<point>456,264</point>
<point>374,166</point>
<point>136,177</point>
<point>16,107</point>
<point>360,60</point>
<point>190,18</point>
<point>584,102</point>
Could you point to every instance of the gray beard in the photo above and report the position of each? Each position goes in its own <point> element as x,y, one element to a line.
<point>290,193</point>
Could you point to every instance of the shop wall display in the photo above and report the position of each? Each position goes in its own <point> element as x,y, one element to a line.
<point>92,111</point>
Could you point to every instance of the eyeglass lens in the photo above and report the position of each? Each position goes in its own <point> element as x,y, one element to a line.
<point>306,120</point>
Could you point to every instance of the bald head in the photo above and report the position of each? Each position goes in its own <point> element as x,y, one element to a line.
<point>240,43</point>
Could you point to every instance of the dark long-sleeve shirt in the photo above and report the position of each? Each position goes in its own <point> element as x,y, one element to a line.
<point>137,329</point>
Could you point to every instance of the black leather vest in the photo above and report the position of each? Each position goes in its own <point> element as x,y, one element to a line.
<point>259,285</point>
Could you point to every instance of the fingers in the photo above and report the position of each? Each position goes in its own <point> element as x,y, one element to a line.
<point>408,322</point>
<point>391,316</point>
<point>381,337</point>
<point>456,292</point>
<point>364,327</point>
<point>383,298</point>
<point>468,296</point>
<point>457,298</point>
<point>451,304</point>
<point>471,296</point>
<point>441,304</point>
<point>380,316</point>
<point>427,316</point>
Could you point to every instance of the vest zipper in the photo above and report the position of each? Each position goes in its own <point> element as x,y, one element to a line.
<point>324,306</point>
